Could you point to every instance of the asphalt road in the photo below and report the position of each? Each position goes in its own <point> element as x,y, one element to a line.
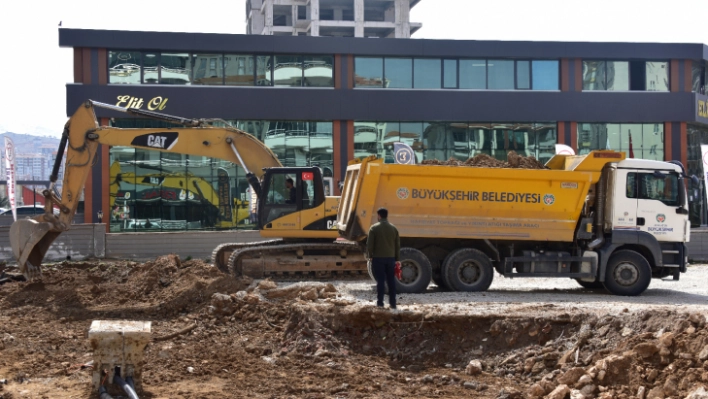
<point>521,295</point>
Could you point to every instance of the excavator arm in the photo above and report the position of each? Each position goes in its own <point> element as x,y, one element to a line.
<point>31,238</point>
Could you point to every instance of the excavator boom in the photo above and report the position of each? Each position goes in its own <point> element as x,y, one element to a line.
<point>31,238</point>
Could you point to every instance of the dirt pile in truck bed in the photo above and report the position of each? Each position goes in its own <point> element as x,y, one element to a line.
<point>514,160</point>
<point>223,337</point>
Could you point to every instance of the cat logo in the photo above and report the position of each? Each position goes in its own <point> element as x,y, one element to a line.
<point>162,141</point>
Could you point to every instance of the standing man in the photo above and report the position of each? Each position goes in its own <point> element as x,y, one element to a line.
<point>383,247</point>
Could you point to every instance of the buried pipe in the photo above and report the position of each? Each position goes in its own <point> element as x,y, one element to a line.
<point>125,386</point>
<point>103,394</point>
<point>130,382</point>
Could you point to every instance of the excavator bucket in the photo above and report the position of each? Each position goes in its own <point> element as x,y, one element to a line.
<point>30,240</point>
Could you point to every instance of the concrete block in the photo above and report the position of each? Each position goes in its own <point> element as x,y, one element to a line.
<point>118,343</point>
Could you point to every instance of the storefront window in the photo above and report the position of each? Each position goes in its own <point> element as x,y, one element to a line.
<point>594,75</point>
<point>264,70</point>
<point>239,70</point>
<point>160,191</point>
<point>124,67</point>
<point>644,141</point>
<point>617,75</point>
<point>426,73</point>
<point>698,209</point>
<point>399,73</point>
<point>208,69</point>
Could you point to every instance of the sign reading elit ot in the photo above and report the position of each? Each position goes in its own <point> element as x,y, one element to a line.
<point>156,104</point>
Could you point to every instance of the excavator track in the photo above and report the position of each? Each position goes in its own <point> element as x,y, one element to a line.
<point>217,255</point>
<point>299,261</point>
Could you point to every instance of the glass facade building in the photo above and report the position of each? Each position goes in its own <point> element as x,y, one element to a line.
<point>323,101</point>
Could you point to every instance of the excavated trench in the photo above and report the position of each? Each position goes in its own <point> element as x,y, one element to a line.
<point>258,339</point>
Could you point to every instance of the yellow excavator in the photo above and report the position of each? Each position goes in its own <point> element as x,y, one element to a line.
<point>220,213</point>
<point>293,211</point>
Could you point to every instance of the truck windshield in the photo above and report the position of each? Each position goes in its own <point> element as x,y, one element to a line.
<point>649,186</point>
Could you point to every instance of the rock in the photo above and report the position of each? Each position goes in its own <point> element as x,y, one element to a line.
<point>651,376</point>
<point>626,332</point>
<point>251,299</point>
<point>474,367</point>
<point>617,367</point>
<point>588,390</point>
<point>470,385</point>
<point>641,392</point>
<point>601,375</point>
<point>571,376</point>
<point>704,353</point>
<point>671,386</point>
<point>538,368</point>
<point>267,284</point>
<point>190,369</point>
<point>560,392</point>
<point>576,394</point>
<point>427,379</point>
<point>646,350</point>
<point>656,393</point>
<point>584,380</point>
<point>699,393</point>
<point>528,364</point>
<point>509,393</point>
<point>309,295</point>
<point>536,391</point>
<point>666,340</point>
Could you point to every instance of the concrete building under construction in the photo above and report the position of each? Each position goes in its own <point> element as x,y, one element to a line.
<point>344,18</point>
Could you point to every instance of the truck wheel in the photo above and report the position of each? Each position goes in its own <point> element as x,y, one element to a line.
<point>416,271</point>
<point>628,273</point>
<point>468,270</point>
<point>595,285</point>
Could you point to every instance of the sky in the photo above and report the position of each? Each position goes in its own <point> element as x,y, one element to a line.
<point>35,70</point>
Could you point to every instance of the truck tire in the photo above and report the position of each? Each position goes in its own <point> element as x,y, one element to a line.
<point>416,272</point>
<point>628,273</point>
<point>595,285</point>
<point>468,270</point>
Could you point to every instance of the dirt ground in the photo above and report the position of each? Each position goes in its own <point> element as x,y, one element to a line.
<point>309,340</point>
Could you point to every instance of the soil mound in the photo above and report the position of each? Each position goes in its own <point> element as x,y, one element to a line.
<point>514,160</point>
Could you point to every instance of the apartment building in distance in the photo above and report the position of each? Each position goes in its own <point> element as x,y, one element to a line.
<point>343,18</point>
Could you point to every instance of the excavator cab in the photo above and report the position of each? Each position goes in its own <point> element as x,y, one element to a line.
<point>285,193</point>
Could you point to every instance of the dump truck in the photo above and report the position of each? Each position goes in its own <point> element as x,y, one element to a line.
<point>297,222</point>
<point>599,218</point>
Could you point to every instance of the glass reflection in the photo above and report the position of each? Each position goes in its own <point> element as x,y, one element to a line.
<point>124,67</point>
<point>617,75</point>
<point>208,69</point>
<point>264,70</point>
<point>594,75</point>
<point>412,134</point>
<point>399,73</point>
<point>657,76</point>
<point>473,74</point>
<point>427,73</point>
<point>288,71</point>
<point>647,140</point>
<point>319,71</point>
<point>175,68</point>
<point>151,74</point>
<point>154,191</point>
<point>368,72</point>
<point>239,70</point>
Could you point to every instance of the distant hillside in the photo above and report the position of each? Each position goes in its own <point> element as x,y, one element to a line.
<point>29,144</point>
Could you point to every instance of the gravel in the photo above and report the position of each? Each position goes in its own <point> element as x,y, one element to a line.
<point>551,295</point>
